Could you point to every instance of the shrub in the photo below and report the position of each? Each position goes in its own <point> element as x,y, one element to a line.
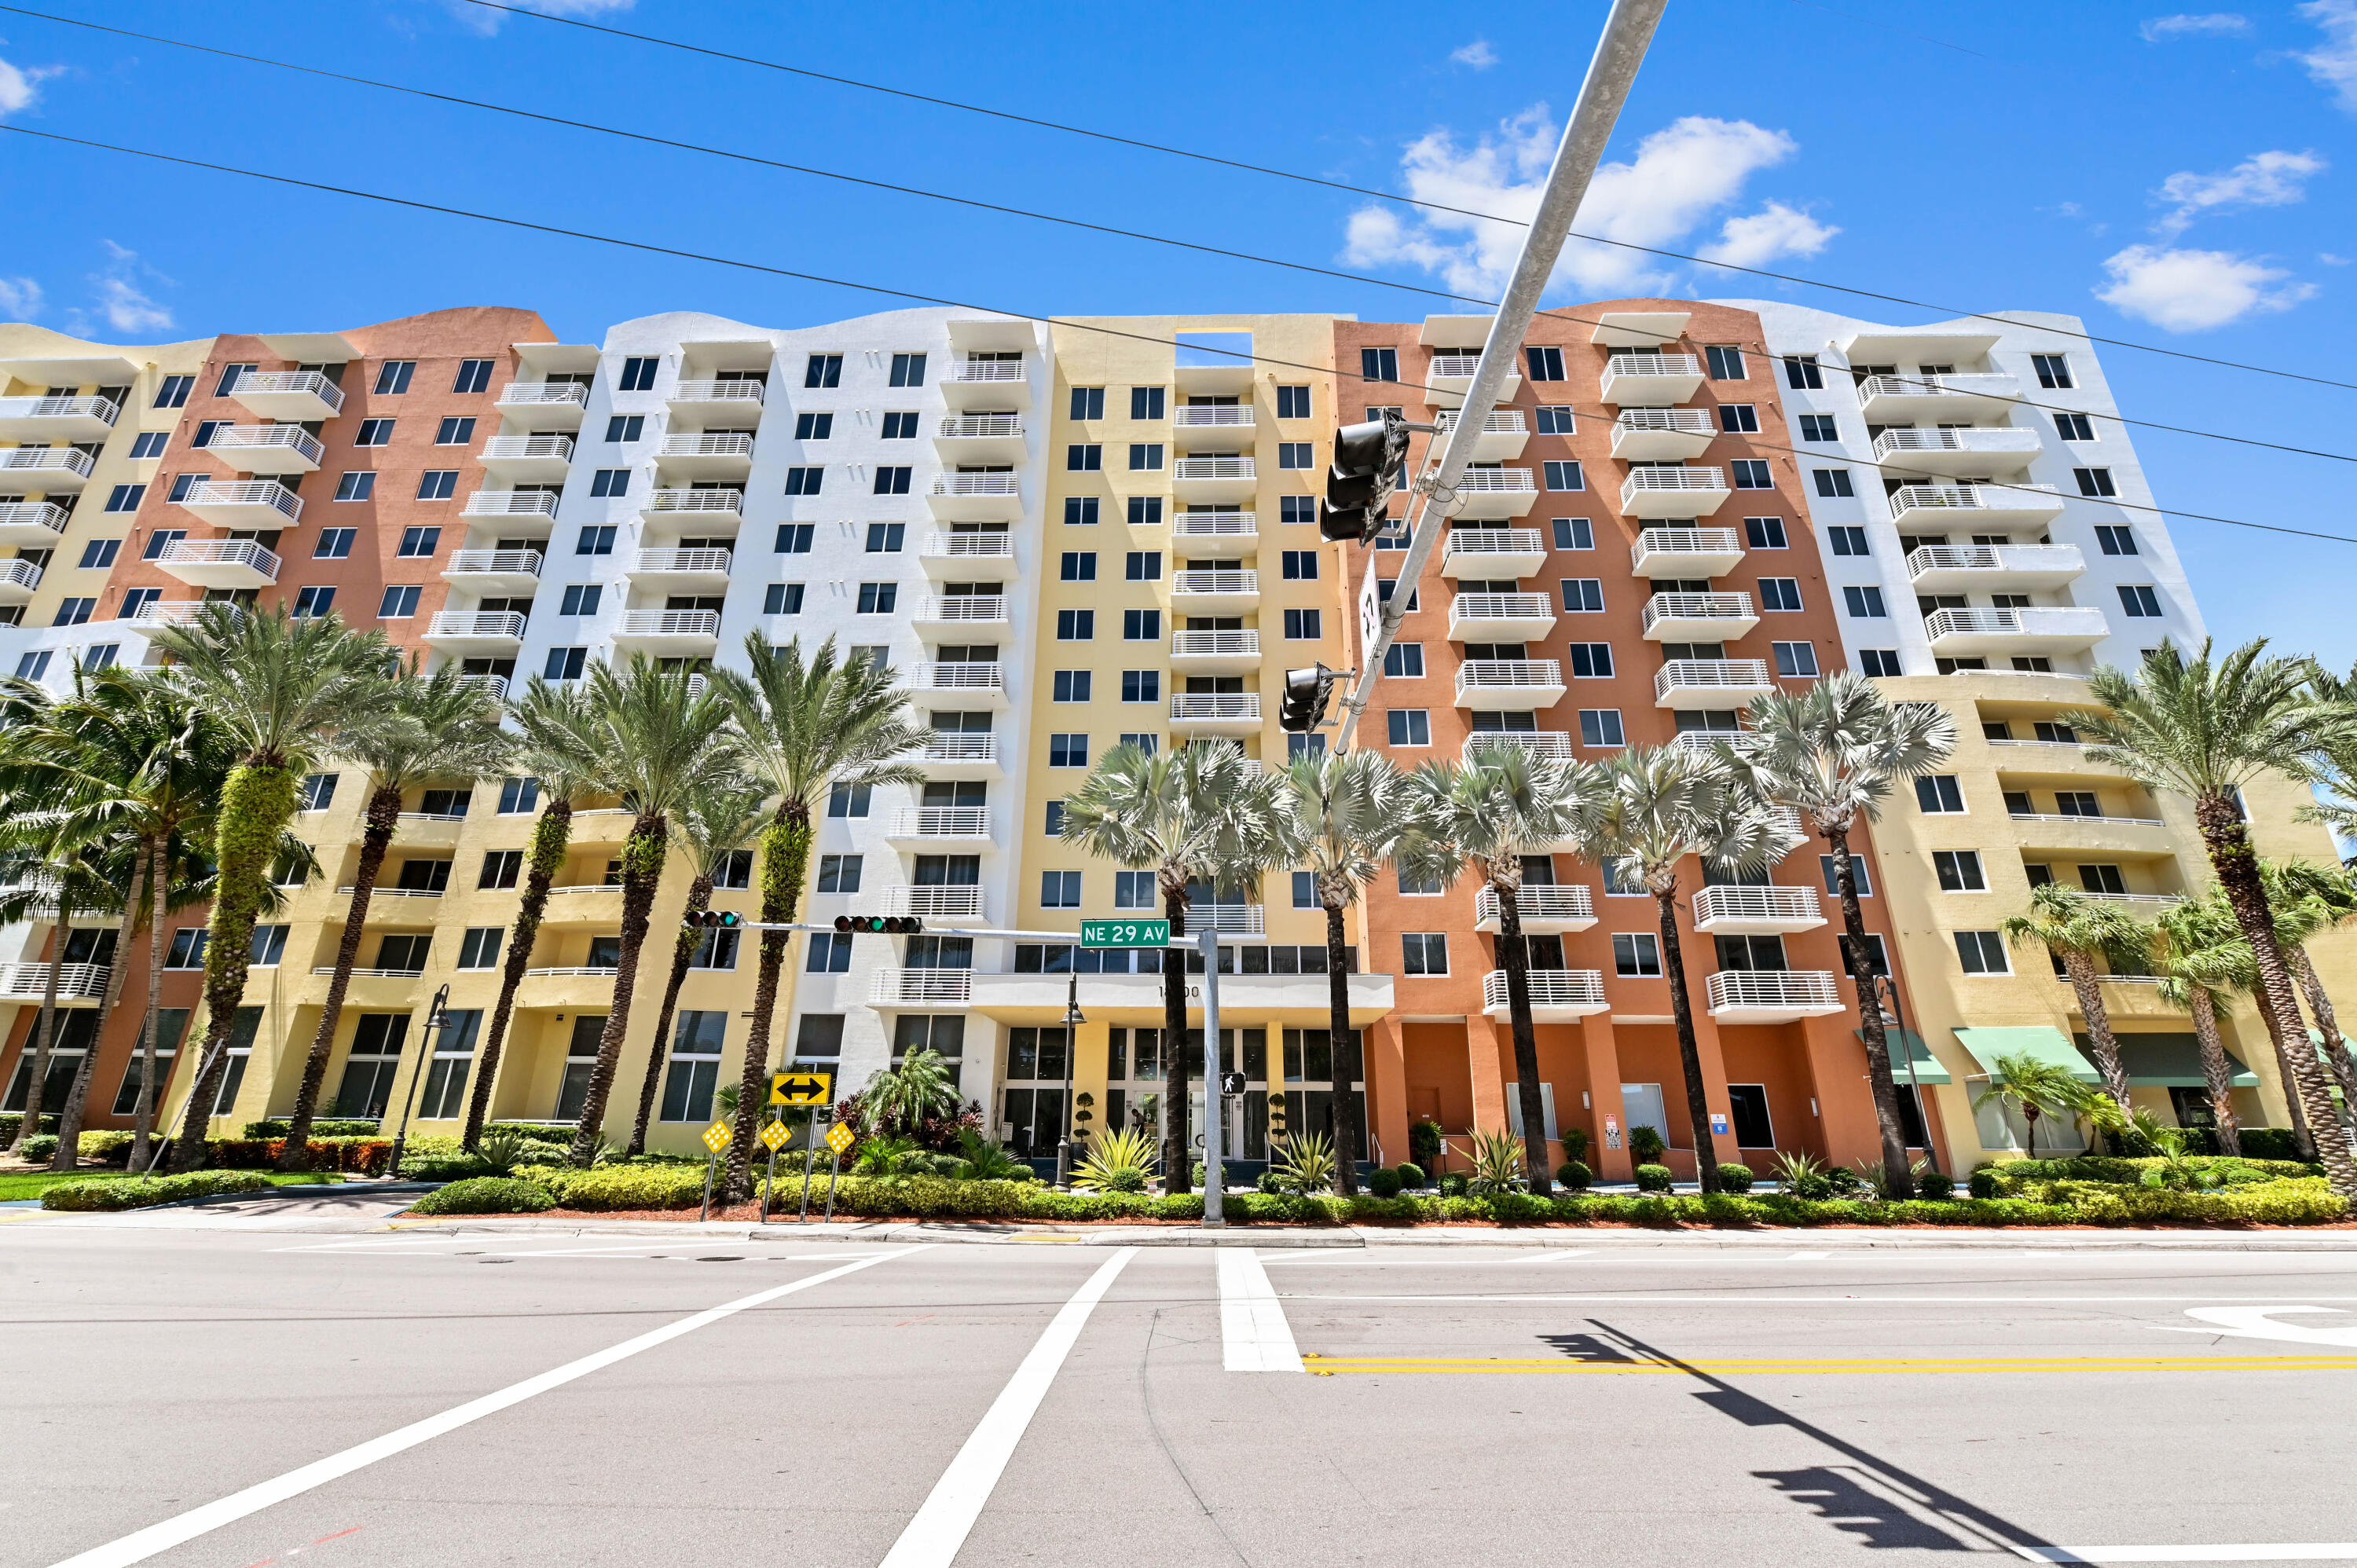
<point>1844,1180</point>
<point>1937,1185</point>
<point>485,1195</point>
<point>1983,1183</point>
<point>369,1156</point>
<point>1453,1184</point>
<point>110,1193</point>
<point>1575,1144</point>
<point>1653,1178</point>
<point>1734,1177</point>
<point>110,1145</point>
<point>1423,1141</point>
<point>1803,1176</point>
<point>13,1122</point>
<point>1574,1175</point>
<point>1411,1174</point>
<point>1119,1161</point>
<point>41,1146</point>
<point>607,1187</point>
<point>321,1127</point>
<point>1645,1144</point>
<point>2269,1144</point>
<point>1267,1182</point>
<point>1384,1182</point>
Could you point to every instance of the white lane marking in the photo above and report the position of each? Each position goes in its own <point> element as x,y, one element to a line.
<point>1252,1320</point>
<point>932,1538</point>
<point>142,1544</point>
<point>2258,1322</point>
<point>1806,1257</point>
<point>1317,1260</point>
<point>2290,1551</point>
<point>1770,1298</point>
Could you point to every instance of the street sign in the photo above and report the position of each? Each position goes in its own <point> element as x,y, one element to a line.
<point>1718,1123</point>
<point>841,1137</point>
<point>801,1087</point>
<point>715,1137</point>
<point>1125,933</point>
<point>774,1135</point>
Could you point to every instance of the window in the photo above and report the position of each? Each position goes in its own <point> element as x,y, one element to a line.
<point>2115,541</point>
<point>908,369</point>
<point>1858,875</point>
<point>101,655</point>
<point>1555,420</point>
<point>1061,889</point>
<point>1779,593</point>
<point>637,374</point>
<point>1069,686</point>
<point>823,370</point>
<point>1076,625</point>
<point>1583,595</point>
<point>886,538</point>
<point>1424,952</point>
<point>1959,871</point>
<point>2053,371</point>
<point>813,426</point>
<point>1796,659</point>
<point>392,377</point>
<point>187,949</point>
<point>1865,604</point>
<point>1546,364</point>
<point>1080,511</point>
<point>830,953</point>
<point>1293,402</point>
<point>32,666</point>
<point>1726,361</point>
<point>609,482</point>
<point>1141,625</point>
<point>1088,403</point>
<point>879,598</point>
<point>2138,601</point>
<point>1134,889</point>
<point>839,873</point>
<point>1379,364</point>
<point>849,800</point>
<point>1573,533</point>
<point>1738,419</point>
<point>209,428</point>
<point>1565,476</point>
<point>1600,726</point>
<point>889,481</point>
<point>1298,565</point>
<point>1939,794</point>
<point>501,868</point>
<point>1297,508</point>
<point>126,498</point>
<point>1053,826</point>
<point>1751,474</point>
<point>1078,567</point>
<point>229,380</point>
<point>1296,455</point>
<point>899,426</point>
<point>1068,751</point>
<point>794,538</point>
<point>1636,955</point>
<point>2094,481</point>
<point>1141,566</point>
<point>1982,952</point>
<point>318,792</point>
<point>314,600</point>
<point>100,552</point>
<point>519,796</point>
<point>1083,458</point>
<point>580,600</point>
<point>1303,626</point>
<point>161,540</point>
<point>782,599</point>
<point>1879,661</point>
<point>1140,686</point>
<point>479,946</point>
<point>1591,661</point>
<point>1404,659</point>
<point>805,481</point>
<point>137,599</point>
<point>1145,402</point>
<point>565,663</point>
<point>173,391</point>
<point>2075,427</point>
<point>1410,726</point>
<point>374,433</point>
<point>1818,427</point>
<point>1832,481</point>
<point>358,485</point>
<point>1847,541</point>
<point>595,540</point>
<point>455,430</point>
<point>1144,456</point>
<point>75,612</point>
<point>183,483</point>
<point>1145,512</point>
<point>1800,372</point>
<point>437,484</point>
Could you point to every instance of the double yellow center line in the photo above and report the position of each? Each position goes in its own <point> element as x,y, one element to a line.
<point>1326,1366</point>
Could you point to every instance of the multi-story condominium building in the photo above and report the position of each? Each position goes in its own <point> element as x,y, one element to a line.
<point>1070,535</point>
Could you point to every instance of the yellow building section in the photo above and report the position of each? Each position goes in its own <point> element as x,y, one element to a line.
<point>83,427</point>
<point>2022,801</point>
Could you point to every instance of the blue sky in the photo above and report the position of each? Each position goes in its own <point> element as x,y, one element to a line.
<point>2169,175</point>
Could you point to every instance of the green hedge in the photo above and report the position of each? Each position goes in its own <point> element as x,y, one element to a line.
<point>321,1127</point>
<point>629,1187</point>
<point>82,1196</point>
<point>485,1195</point>
<point>364,1156</point>
<point>2011,1176</point>
<point>13,1122</point>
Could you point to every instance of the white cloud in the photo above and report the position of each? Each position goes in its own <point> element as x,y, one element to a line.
<point>1477,54</point>
<point>486,21</point>
<point>121,303</point>
<point>1681,176</point>
<point>2216,23</point>
<point>20,298</point>
<point>20,86</point>
<point>2264,179</point>
<point>2335,62</point>
<point>2193,291</point>
<point>2329,259</point>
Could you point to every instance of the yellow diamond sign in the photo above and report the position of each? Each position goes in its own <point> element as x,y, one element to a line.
<point>715,1137</point>
<point>775,1136</point>
<point>840,1137</point>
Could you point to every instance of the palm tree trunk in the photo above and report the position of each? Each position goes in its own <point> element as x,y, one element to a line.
<point>785,865</point>
<point>2214,1072</point>
<point>1345,1056</point>
<point>2230,856</point>
<point>143,1122</point>
<point>123,929</point>
<point>2320,1006</point>
<point>1899,1179</point>
<point>550,837</point>
<point>1673,968</point>
<point>642,864</point>
<point>1178,1153</point>
<point>699,896</point>
<point>1514,957</point>
<point>376,837</point>
<point>70,1115</point>
<point>43,1033</point>
<point>2089,993</point>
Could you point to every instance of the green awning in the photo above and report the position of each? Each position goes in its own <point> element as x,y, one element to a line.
<point>1908,1046</point>
<point>2170,1061</point>
<point>2045,1044</point>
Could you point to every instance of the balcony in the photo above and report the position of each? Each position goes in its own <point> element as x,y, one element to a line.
<point>1757,911</point>
<point>1639,329</point>
<point>1988,449</point>
<point>1699,618</point>
<point>266,448</point>
<point>476,631</point>
<point>1489,554</point>
<point>179,612</point>
<point>57,418</point>
<point>219,563</point>
<point>79,984</point>
<point>1214,652</point>
<point>1214,593</point>
<point>52,470</point>
<point>960,556</point>
<point>1712,682</point>
<point>1686,554</point>
<point>1503,434</point>
<point>543,405</point>
<point>679,569</point>
<point>975,497</point>
<point>1215,713</point>
<point>1707,741</point>
<point>1493,495</point>
<point>988,384</point>
<point>244,503</point>
<point>1771,996</point>
<point>1450,378</point>
<point>497,685</point>
<point>706,456</point>
<point>1940,507</point>
<point>980,439</point>
<point>736,397</point>
<point>1544,911</point>
<point>1942,399</point>
<point>939,824</point>
<point>1662,435</point>
<point>1213,479</point>
<point>959,754</point>
<point>2136,838</point>
<point>1674,492</point>
<point>703,510</point>
<point>1557,995</point>
<point>2040,629</point>
<point>688,632</point>
<point>968,685</point>
<point>1500,618</point>
<point>18,578</point>
<point>296,396</point>
<point>937,906</point>
<point>920,988</point>
<point>1649,380</point>
<point>493,572</point>
<point>1194,425</point>
<point>1552,745</point>
<point>33,525</point>
<point>528,459</point>
<point>960,612</point>
<point>1508,685</point>
<point>1213,535</point>
<point>534,512</point>
<point>1998,568</point>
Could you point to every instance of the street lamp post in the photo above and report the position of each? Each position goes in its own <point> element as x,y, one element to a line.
<point>1072,1022</point>
<point>438,1017</point>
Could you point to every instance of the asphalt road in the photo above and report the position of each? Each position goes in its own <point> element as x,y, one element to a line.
<point>236,1392</point>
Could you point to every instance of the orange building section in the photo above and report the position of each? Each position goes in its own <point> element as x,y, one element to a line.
<point>1440,1056</point>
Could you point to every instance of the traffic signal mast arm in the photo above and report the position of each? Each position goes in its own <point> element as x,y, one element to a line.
<point>1071,937</point>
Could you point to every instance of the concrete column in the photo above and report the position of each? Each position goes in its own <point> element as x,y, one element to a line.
<point>1385,1069</point>
<point>1490,1044</point>
<point>1604,1081</point>
<point>1844,1101</point>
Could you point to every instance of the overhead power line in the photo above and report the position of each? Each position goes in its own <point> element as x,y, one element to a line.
<point>648,247</point>
<point>1380,195</point>
<point>1197,246</point>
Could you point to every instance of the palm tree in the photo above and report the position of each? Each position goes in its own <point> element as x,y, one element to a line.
<point>717,818</point>
<point>809,724</point>
<point>2039,1087</point>
<point>1662,804</point>
<point>1201,813</point>
<point>71,877</point>
<point>284,691</point>
<point>1487,816</point>
<point>2203,729</point>
<point>2202,958</point>
<point>659,740</point>
<point>1834,753</point>
<point>2078,929</point>
<point>902,1097</point>
<point>556,747</point>
<point>1347,820</point>
<point>438,726</point>
<point>2309,900</point>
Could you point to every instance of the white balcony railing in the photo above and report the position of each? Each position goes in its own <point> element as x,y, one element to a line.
<point>977,676</point>
<point>1499,422</point>
<point>935,902</point>
<point>1214,525</point>
<point>737,445</point>
<point>516,447</point>
<point>962,608</point>
<point>33,461</point>
<point>1480,542</point>
<point>1455,367</point>
<point>1501,606</point>
<point>30,982</point>
<point>1553,745</point>
<point>954,745</point>
<point>501,624</point>
<point>1973,497</point>
<point>1211,468</point>
<point>973,372</point>
<point>943,823</point>
<point>980,426</point>
<point>1702,675</point>
<point>977,485</point>
<point>2075,622</point>
<point>104,410</point>
<point>245,552</point>
<point>1202,706</point>
<point>736,389</point>
<point>1202,417</point>
<point>245,492</point>
<point>649,561</point>
<point>1643,482</point>
<point>1581,988</point>
<point>1756,904</point>
<point>497,685</point>
<point>517,394</point>
<point>710,503</point>
<point>668,623</point>
<point>1215,582</point>
<point>970,547</point>
<point>502,562</point>
<point>19,573</point>
<point>234,440</point>
<point>1475,676</point>
<point>178,612</point>
<point>511,503</point>
<point>1553,905</point>
<point>1653,365</point>
<point>1773,989</point>
<point>33,514</point>
<point>1664,421</point>
<point>1215,645</point>
<point>1969,385</point>
<point>2003,440</point>
<point>1698,607</point>
<point>920,988</point>
<point>298,383</point>
<point>1494,481</point>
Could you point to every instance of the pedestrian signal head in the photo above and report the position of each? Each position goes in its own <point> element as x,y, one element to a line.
<point>881,925</point>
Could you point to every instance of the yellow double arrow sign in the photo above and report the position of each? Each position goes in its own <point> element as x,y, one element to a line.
<point>801,1087</point>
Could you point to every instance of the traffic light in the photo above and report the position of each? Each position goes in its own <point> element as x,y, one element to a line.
<point>1231,1083</point>
<point>714,919</point>
<point>1302,708</point>
<point>1367,458</point>
<point>881,925</point>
